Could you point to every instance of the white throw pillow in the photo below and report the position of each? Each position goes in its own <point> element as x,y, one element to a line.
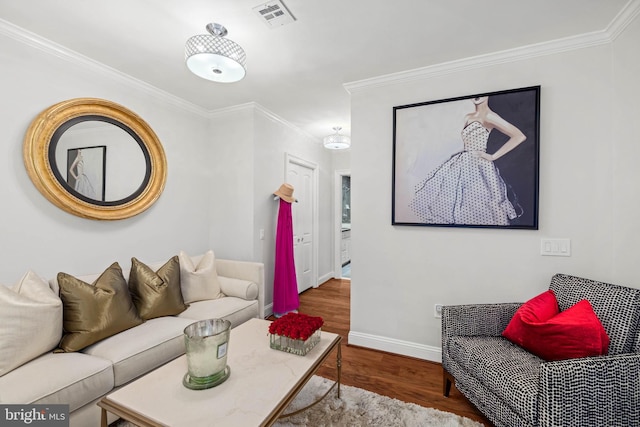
<point>199,282</point>
<point>30,321</point>
<point>238,288</point>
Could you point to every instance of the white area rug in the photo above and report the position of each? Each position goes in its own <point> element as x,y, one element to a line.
<point>358,408</point>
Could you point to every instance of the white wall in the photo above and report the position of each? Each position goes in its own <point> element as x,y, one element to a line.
<point>341,159</point>
<point>231,190</point>
<point>588,175</point>
<point>39,236</point>
<point>250,147</point>
<point>625,143</point>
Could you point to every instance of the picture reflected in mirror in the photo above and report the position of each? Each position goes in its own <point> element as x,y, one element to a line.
<point>99,161</point>
<point>86,173</point>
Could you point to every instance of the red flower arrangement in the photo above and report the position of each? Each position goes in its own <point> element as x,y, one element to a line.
<point>297,326</point>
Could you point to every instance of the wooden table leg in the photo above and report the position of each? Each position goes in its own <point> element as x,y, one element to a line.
<point>103,418</point>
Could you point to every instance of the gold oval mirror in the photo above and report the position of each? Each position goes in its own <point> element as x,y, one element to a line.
<point>95,159</point>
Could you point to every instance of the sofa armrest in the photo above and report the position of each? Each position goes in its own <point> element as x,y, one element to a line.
<point>476,319</point>
<point>244,270</point>
<point>600,391</point>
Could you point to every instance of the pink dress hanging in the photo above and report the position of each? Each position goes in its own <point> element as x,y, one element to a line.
<point>285,284</point>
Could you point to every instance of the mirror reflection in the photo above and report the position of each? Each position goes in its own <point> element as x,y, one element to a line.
<point>99,161</point>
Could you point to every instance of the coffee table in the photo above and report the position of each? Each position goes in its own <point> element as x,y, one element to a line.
<point>262,383</point>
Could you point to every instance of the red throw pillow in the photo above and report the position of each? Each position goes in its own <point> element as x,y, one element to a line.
<point>575,332</point>
<point>537,310</point>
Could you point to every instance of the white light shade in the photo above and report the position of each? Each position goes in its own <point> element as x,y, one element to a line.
<point>215,58</point>
<point>337,141</point>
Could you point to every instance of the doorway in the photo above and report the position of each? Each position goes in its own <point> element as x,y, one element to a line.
<point>342,224</point>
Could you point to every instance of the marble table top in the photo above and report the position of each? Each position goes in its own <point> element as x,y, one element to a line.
<point>262,382</point>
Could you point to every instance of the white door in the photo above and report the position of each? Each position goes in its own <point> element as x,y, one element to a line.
<point>301,175</point>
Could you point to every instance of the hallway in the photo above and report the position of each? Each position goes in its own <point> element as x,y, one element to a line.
<point>346,271</point>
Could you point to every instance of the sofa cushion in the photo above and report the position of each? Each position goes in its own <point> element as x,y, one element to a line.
<point>94,312</point>
<point>575,332</point>
<point>58,378</point>
<point>235,310</point>
<point>200,281</point>
<point>511,371</point>
<point>156,293</point>
<point>138,350</point>
<point>30,321</point>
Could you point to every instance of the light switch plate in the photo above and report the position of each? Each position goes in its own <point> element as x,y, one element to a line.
<point>555,247</point>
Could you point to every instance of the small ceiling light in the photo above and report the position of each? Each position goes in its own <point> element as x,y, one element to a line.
<point>215,58</point>
<point>337,141</point>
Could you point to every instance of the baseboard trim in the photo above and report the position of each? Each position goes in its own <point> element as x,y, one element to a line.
<point>325,278</point>
<point>391,345</point>
<point>268,310</point>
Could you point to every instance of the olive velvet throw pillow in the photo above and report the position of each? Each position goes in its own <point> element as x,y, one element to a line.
<point>156,293</point>
<point>92,312</point>
<point>541,329</point>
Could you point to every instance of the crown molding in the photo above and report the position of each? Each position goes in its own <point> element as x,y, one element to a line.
<point>596,38</point>
<point>256,107</point>
<point>248,106</point>
<point>482,61</point>
<point>628,13</point>
<point>38,42</point>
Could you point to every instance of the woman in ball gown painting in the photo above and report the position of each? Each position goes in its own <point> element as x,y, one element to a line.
<point>82,183</point>
<point>467,189</point>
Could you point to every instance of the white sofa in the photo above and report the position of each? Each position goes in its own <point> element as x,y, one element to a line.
<point>81,378</point>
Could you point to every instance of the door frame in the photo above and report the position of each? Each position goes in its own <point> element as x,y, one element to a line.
<point>289,160</point>
<point>337,221</point>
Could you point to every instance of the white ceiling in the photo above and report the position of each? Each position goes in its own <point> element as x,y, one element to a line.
<point>297,71</point>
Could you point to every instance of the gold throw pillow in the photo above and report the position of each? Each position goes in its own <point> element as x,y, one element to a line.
<point>97,311</point>
<point>156,293</point>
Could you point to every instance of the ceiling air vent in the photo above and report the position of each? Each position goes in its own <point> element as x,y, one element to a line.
<point>274,14</point>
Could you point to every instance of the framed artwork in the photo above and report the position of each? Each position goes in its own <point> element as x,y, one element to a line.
<point>86,171</point>
<point>470,161</point>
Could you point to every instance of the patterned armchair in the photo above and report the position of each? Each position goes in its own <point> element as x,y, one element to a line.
<point>512,387</point>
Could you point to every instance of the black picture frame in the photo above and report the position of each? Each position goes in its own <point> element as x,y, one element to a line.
<point>444,176</point>
<point>86,175</point>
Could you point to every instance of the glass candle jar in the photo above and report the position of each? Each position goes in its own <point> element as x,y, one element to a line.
<point>206,343</point>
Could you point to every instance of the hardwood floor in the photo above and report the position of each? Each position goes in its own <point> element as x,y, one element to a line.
<point>404,378</point>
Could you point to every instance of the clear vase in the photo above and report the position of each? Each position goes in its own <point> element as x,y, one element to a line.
<point>295,346</point>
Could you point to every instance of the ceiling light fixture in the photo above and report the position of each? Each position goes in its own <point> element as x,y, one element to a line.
<point>337,141</point>
<point>215,58</point>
